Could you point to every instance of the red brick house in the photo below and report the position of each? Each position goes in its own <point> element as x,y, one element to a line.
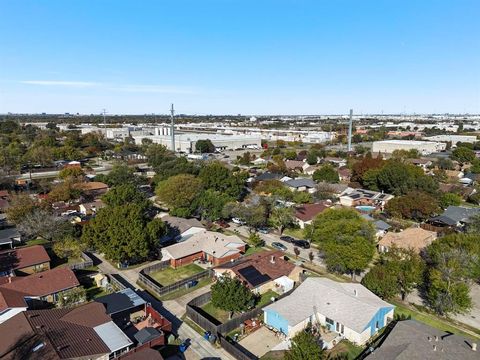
<point>213,247</point>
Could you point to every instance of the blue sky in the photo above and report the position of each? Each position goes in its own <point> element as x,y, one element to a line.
<point>248,57</point>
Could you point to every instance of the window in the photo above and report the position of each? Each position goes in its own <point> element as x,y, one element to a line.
<point>329,321</point>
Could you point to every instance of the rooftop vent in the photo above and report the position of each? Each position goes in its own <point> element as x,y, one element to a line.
<point>474,346</point>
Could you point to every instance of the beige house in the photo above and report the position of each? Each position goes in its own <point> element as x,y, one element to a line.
<point>411,238</point>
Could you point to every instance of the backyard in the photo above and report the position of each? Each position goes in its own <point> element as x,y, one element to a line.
<point>170,275</point>
<point>222,315</point>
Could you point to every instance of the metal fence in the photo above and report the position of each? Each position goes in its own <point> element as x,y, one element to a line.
<point>87,262</point>
<point>147,281</point>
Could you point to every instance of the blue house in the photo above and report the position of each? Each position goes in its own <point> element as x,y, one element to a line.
<point>348,310</point>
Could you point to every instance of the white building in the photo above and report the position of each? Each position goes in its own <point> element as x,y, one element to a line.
<point>347,310</point>
<point>454,139</point>
<point>424,147</point>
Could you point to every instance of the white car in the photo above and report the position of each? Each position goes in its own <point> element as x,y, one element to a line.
<point>238,221</point>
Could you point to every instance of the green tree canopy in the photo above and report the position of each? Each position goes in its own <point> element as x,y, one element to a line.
<point>125,194</point>
<point>463,154</point>
<point>326,173</point>
<point>304,346</point>
<point>281,218</point>
<point>448,199</point>
<point>231,295</point>
<point>217,177</point>
<point>415,205</point>
<point>179,193</point>
<point>345,239</point>
<point>204,146</point>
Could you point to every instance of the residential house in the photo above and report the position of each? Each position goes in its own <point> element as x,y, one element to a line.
<point>213,247</point>
<point>91,208</point>
<point>268,176</point>
<point>348,310</point>
<point>295,165</point>
<point>344,174</point>
<point>361,197</point>
<point>411,238</point>
<point>424,164</point>
<point>23,261</point>
<point>137,317</point>
<point>301,184</point>
<point>10,237</point>
<point>381,227</point>
<point>454,175</point>
<point>463,191</point>
<point>93,188</point>
<point>304,214</point>
<point>180,228</point>
<point>143,354</point>
<point>455,217</point>
<point>338,162</point>
<point>264,271</point>
<point>259,161</point>
<point>335,189</point>
<point>310,169</point>
<point>80,333</point>
<point>20,293</point>
<point>410,339</point>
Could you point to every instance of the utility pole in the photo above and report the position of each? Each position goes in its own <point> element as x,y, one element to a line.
<point>350,131</point>
<point>172,129</point>
<point>104,112</point>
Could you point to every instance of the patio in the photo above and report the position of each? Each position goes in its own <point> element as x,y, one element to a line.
<point>269,340</point>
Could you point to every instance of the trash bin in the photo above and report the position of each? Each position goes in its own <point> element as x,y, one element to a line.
<point>206,335</point>
<point>182,347</point>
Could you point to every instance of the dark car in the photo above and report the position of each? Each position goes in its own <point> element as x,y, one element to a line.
<point>263,230</point>
<point>301,244</point>
<point>286,238</point>
<point>279,246</point>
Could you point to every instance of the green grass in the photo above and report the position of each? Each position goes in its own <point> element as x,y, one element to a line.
<point>296,233</point>
<point>183,291</point>
<point>193,325</point>
<point>431,319</point>
<point>169,275</point>
<point>91,288</point>
<point>219,314</point>
<point>345,346</point>
<point>265,298</point>
<point>36,242</point>
<point>252,250</point>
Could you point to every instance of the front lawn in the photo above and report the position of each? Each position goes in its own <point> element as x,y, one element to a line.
<point>252,250</point>
<point>170,275</point>
<point>296,233</point>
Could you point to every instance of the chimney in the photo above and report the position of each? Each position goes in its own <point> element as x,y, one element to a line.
<point>434,347</point>
<point>10,279</point>
<point>436,338</point>
<point>474,346</point>
<point>272,259</point>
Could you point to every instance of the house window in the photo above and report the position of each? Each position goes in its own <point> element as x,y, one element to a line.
<point>376,325</point>
<point>337,327</point>
<point>329,321</point>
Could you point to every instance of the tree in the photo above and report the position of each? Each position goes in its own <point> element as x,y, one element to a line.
<point>290,155</point>
<point>74,172</point>
<point>326,173</point>
<point>72,297</point>
<point>281,218</point>
<point>179,193</point>
<point>119,175</point>
<point>414,205</point>
<point>231,295</point>
<point>65,191</point>
<point>474,224</point>
<point>312,158</point>
<point>68,248</point>
<point>204,146</point>
<point>463,154</point>
<point>304,346</point>
<point>448,199</point>
<point>253,216</point>
<point>255,240</point>
<point>125,194</point>
<point>121,233</point>
<point>41,223</point>
<point>217,177</point>
<point>210,204</point>
<point>452,263</point>
<point>366,163</point>
<point>245,159</point>
<point>20,206</point>
<point>311,257</point>
<point>445,164</point>
<point>381,280</point>
<point>345,239</point>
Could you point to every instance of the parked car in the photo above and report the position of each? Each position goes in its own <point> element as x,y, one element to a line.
<point>238,221</point>
<point>301,244</point>
<point>263,230</point>
<point>279,246</point>
<point>287,238</point>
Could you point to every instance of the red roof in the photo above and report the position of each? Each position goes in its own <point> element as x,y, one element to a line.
<point>23,257</point>
<point>44,283</point>
<point>307,212</point>
<point>3,193</point>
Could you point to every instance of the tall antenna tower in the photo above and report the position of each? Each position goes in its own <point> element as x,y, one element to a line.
<point>350,131</point>
<point>104,112</point>
<point>172,129</point>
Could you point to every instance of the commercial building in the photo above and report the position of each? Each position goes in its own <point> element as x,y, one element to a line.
<point>454,139</point>
<point>423,147</point>
<point>185,142</point>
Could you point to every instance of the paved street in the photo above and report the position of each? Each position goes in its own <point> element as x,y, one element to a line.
<point>199,348</point>
<point>269,238</point>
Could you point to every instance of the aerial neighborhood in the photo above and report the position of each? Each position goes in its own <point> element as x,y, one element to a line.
<point>119,243</point>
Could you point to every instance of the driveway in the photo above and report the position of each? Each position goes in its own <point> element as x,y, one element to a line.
<point>259,348</point>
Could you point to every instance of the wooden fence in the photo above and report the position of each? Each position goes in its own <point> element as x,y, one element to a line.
<point>87,262</point>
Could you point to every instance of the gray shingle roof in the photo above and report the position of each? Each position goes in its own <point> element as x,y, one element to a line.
<point>296,183</point>
<point>332,299</point>
<point>409,340</point>
<point>455,214</point>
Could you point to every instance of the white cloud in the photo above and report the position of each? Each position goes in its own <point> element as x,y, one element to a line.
<point>60,83</point>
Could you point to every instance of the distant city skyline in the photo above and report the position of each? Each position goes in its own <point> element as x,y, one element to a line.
<point>240,57</point>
